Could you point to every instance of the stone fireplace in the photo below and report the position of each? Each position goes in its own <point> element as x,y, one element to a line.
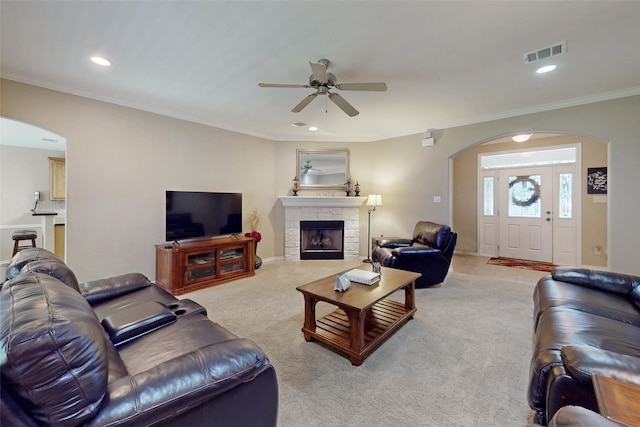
<point>298,209</point>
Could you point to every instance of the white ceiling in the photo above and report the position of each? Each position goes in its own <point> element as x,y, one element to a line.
<point>446,63</point>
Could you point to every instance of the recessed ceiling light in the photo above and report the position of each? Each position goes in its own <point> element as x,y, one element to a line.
<point>100,61</point>
<point>545,69</point>
<point>312,128</point>
<point>521,137</point>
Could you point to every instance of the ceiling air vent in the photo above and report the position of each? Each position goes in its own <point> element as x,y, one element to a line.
<point>537,55</point>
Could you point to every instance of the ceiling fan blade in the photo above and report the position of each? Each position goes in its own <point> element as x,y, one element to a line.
<point>376,87</point>
<point>319,71</point>
<point>281,85</point>
<point>343,104</point>
<point>304,102</point>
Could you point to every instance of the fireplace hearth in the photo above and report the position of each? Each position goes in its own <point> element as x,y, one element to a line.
<point>321,239</point>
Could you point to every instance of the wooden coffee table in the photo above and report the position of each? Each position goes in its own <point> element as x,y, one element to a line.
<point>365,316</point>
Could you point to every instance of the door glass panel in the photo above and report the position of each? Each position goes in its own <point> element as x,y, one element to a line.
<point>488,196</point>
<point>524,196</point>
<point>566,195</point>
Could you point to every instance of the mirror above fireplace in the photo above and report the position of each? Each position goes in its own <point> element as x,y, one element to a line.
<point>317,169</point>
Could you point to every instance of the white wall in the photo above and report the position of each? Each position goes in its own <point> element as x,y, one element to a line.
<point>120,161</point>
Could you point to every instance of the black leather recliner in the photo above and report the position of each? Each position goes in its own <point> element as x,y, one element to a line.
<point>429,252</point>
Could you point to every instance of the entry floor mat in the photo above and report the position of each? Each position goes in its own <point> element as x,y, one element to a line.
<point>522,263</point>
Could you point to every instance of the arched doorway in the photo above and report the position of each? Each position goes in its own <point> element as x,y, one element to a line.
<point>530,204</point>
<point>26,151</point>
<point>467,202</point>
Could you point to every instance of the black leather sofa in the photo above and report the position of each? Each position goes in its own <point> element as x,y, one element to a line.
<point>584,322</point>
<point>429,252</point>
<point>121,351</point>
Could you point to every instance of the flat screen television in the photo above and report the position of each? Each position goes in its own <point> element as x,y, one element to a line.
<point>196,214</point>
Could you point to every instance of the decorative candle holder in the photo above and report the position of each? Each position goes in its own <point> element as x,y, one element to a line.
<point>295,186</point>
<point>357,189</point>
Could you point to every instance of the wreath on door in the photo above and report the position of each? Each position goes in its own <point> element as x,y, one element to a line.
<point>529,195</point>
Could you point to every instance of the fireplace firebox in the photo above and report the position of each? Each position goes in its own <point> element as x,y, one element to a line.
<point>321,239</point>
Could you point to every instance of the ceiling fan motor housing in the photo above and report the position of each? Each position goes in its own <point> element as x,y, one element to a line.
<point>323,81</point>
<point>331,81</point>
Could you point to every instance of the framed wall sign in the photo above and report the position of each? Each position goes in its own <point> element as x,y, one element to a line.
<point>597,180</point>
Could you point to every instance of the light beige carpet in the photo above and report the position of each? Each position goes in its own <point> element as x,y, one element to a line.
<point>462,361</point>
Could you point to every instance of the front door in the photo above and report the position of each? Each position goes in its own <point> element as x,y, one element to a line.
<point>525,213</point>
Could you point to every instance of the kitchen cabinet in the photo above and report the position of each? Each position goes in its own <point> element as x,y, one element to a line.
<point>57,178</point>
<point>58,239</point>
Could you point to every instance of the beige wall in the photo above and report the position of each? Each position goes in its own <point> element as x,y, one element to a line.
<point>614,121</point>
<point>594,213</point>
<point>119,163</point>
<point>465,174</point>
<point>121,160</point>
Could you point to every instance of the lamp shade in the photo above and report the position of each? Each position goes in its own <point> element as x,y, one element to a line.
<point>374,200</point>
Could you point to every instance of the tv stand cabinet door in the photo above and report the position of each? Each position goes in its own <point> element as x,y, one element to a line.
<point>200,265</point>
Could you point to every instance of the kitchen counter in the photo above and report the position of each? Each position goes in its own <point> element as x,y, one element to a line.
<point>48,228</point>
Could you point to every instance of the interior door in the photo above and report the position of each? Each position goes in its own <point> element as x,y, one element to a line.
<point>525,214</point>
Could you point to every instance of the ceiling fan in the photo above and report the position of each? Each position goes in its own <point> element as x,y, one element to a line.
<point>323,82</point>
<point>307,168</point>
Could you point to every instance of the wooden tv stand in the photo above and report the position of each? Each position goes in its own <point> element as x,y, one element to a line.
<point>199,263</point>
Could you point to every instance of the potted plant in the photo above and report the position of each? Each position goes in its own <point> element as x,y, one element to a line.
<point>254,222</point>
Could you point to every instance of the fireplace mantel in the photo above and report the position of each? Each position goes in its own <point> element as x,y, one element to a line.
<point>320,201</point>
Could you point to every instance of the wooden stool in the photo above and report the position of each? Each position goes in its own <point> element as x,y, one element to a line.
<point>20,235</point>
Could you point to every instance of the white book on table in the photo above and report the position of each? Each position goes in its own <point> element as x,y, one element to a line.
<point>362,276</point>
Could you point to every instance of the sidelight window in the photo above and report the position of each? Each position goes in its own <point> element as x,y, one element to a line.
<point>565,195</point>
<point>488,196</point>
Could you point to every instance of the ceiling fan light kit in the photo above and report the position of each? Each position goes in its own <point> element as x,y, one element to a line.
<point>323,82</point>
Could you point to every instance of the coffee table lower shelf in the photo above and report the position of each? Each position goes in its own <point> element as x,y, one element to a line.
<point>381,321</point>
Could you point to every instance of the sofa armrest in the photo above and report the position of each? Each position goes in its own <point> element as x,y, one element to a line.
<point>133,321</point>
<point>581,361</point>
<point>416,251</point>
<point>185,382</point>
<point>393,242</point>
<point>607,281</point>
<point>96,291</point>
